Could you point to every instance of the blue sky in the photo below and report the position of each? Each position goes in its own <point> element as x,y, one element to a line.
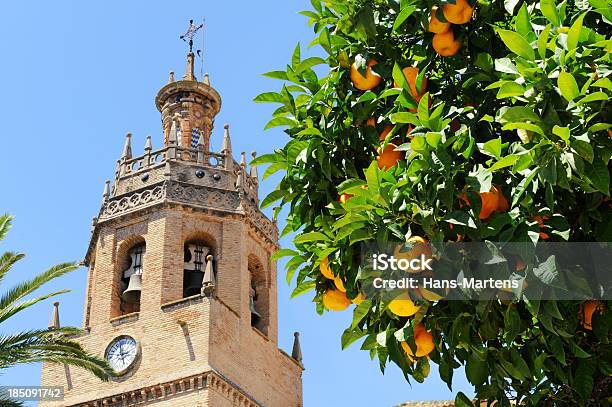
<point>76,76</point>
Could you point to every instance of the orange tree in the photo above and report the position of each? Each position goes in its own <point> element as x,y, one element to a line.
<point>452,121</point>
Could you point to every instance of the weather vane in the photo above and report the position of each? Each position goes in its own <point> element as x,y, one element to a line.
<point>191,32</point>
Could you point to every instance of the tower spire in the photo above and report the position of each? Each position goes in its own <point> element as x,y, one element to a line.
<point>127,147</point>
<point>296,352</point>
<point>54,323</point>
<point>188,37</point>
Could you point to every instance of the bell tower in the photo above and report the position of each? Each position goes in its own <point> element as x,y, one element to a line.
<point>181,289</point>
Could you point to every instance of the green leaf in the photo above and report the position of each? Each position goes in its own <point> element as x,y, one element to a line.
<point>310,237</point>
<point>265,159</point>
<point>269,97</point>
<point>402,16</point>
<point>516,43</point>
<point>349,336</point>
<point>405,117</point>
<point>519,114</point>
<point>522,24</point>
<point>423,110</point>
<point>276,75</point>
<point>433,138</point>
<point>599,175</point>
<point>360,312</point>
<point>562,132</point>
<point>543,41</point>
<point>280,253</point>
<point>280,121</point>
<point>583,149</point>
<point>461,400</point>
<point>548,273</point>
<point>309,63</point>
<point>584,378</point>
<point>303,288</point>
<point>273,197</point>
<point>506,161</point>
<point>603,83</point>
<point>525,126</point>
<point>295,59</point>
<point>509,89</point>
<point>493,147</point>
<point>549,10</point>
<point>476,371</point>
<point>574,32</point>
<point>568,86</point>
<point>593,97</point>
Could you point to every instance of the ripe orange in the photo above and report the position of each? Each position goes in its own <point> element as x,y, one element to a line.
<point>502,203</point>
<point>339,284</point>
<point>358,299</point>
<point>587,310</point>
<point>490,202</point>
<point>367,82</point>
<point>423,341</point>
<point>388,157</point>
<point>344,198</point>
<point>540,220</point>
<point>435,25</point>
<point>383,135</point>
<point>445,44</point>
<point>610,133</point>
<point>458,13</point>
<point>403,306</point>
<point>420,246</point>
<point>335,300</point>
<point>371,122</point>
<point>325,270</point>
<point>411,73</point>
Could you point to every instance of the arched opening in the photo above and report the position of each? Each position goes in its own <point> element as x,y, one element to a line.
<point>197,252</point>
<point>258,295</point>
<point>131,266</point>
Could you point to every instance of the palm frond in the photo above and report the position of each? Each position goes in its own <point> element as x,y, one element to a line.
<point>27,287</point>
<point>42,345</point>
<point>50,346</point>
<point>6,313</point>
<point>33,336</point>
<point>7,402</point>
<point>5,224</point>
<point>6,262</point>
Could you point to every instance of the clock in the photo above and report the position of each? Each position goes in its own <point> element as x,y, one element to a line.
<point>122,353</point>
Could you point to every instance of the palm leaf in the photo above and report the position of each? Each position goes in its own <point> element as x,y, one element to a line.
<point>6,262</point>
<point>7,402</point>
<point>25,288</point>
<point>6,313</point>
<point>5,224</point>
<point>42,345</point>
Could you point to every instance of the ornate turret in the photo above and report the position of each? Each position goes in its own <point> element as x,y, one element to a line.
<point>189,106</point>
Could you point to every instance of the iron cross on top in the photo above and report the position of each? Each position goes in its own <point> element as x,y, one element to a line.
<point>191,32</point>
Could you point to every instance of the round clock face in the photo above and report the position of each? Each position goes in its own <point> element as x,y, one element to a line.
<point>122,353</point>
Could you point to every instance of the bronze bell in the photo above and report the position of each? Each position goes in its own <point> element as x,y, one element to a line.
<point>133,290</point>
<point>192,284</point>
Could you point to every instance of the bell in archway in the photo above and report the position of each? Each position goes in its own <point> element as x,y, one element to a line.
<point>133,290</point>
<point>192,283</point>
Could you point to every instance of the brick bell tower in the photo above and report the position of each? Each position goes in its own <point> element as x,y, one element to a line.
<point>181,289</point>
